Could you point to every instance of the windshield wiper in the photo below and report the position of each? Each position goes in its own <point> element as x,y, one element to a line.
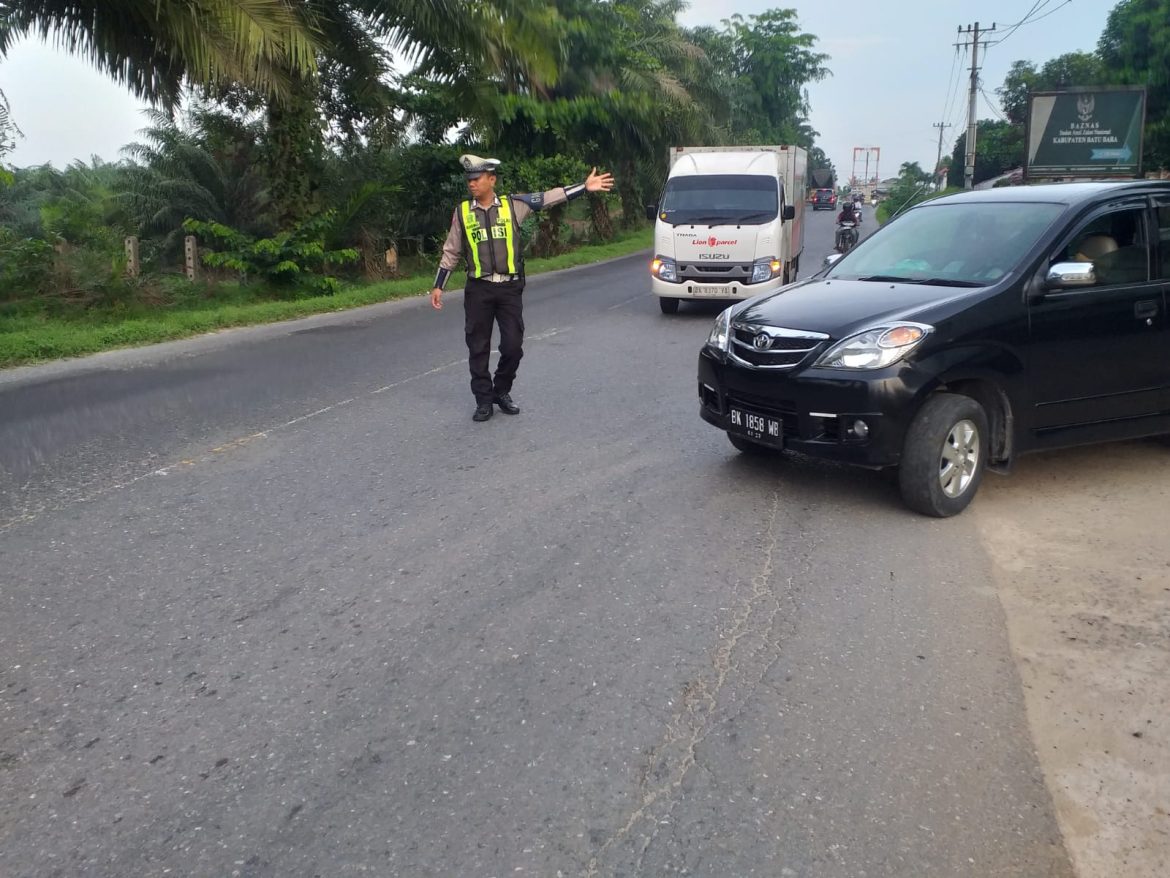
<point>949,282</point>
<point>929,281</point>
<point>705,221</point>
<point>760,214</point>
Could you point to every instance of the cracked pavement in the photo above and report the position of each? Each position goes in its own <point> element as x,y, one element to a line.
<point>271,604</point>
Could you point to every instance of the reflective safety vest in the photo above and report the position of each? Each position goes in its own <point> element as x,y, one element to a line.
<point>491,249</point>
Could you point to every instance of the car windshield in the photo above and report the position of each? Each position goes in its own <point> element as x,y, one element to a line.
<point>972,244</point>
<point>721,199</point>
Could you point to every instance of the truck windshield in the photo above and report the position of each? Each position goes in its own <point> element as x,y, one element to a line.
<point>720,199</point>
<point>973,244</point>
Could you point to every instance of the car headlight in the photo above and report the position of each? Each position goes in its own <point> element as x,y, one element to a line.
<point>765,269</point>
<point>665,269</point>
<point>875,348</point>
<point>720,336</point>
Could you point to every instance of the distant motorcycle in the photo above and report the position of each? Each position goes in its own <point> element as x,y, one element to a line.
<point>846,237</point>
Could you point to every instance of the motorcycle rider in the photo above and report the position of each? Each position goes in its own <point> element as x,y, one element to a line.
<point>846,224</point>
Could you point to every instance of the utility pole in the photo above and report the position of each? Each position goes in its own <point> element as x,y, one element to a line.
<point>942,127</point>
<point>972,128</point>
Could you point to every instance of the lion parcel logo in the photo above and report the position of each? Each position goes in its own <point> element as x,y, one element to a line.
<point>1085,106</point>
<point>714,242</point>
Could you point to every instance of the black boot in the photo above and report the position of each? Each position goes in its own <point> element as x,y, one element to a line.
<point>504,401</point>
<point>483,411</point>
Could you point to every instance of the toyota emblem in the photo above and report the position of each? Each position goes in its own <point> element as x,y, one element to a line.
<point>762,341</point>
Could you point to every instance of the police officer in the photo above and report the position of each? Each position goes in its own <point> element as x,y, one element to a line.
<point>486,230</point>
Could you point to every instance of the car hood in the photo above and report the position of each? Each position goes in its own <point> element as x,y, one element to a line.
<point>842,307</point>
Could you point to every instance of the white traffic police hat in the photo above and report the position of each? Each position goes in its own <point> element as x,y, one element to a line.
<point>473,165</point>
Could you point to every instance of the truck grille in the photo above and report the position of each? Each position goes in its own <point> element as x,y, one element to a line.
<point>715,272</point>
<point>773,347</point>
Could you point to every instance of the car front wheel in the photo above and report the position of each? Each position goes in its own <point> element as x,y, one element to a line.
<point>668,304</point>
<point>944,456</point>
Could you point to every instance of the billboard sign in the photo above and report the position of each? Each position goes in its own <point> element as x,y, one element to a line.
<point>1085,132</point>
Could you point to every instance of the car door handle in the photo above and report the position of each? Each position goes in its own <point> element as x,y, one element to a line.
<point>1145,308</point>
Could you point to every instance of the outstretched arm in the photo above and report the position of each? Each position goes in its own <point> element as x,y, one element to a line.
<point>595,182</point>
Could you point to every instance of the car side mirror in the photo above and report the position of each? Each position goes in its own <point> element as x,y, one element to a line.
<point>1070,276</point>
<point>789,212</point>
<point>831,260</point>
<point>651,211</point>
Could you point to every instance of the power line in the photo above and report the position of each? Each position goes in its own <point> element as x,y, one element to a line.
<point>953,89</point>
<point>1052,11</point>
<point>992,106</point>
<point>1031,17</point>
<point>950,81</point>
<point>1015,27</point>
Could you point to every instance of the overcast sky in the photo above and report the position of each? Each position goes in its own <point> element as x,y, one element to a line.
<point>894,74</point>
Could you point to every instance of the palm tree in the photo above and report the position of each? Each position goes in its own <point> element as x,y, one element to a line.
<point>353,94</point>
<point>205,168</point>
<point>630,84</point>
<point>8,133</point>
<point>154,46</point>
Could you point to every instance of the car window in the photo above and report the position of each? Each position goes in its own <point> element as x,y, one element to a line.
<point>972,243</point>
<point>1164,238</point>
<point>1116,244</point>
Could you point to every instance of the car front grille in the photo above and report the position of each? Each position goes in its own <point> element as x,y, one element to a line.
<point>773,347</point>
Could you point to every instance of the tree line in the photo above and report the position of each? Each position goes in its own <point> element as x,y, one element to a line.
<point>300,140</point>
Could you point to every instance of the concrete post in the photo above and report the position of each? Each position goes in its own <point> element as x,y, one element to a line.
<point>133,266</point>
<point>191,252</point>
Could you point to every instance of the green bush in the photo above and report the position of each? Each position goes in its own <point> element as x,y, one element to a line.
<point>25,264</point>
<point>296,259</point>
<point>546,231</point>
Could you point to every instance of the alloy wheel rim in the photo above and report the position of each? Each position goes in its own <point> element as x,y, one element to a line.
<point>960,458</point>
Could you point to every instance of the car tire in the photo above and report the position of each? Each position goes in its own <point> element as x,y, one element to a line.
<point>668,304</point>
<point>944,456</point>
<point>747,446</point>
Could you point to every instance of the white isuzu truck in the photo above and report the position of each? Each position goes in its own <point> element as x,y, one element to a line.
<point>730,223</point>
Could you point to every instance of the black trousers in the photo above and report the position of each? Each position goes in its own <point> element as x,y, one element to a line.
<point>484,304</point>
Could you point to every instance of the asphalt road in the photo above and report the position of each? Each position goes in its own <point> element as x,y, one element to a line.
<point>271,604</point>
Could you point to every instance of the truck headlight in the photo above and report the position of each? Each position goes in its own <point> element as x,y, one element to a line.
<point>720,336</point>
<point>874,348</point>
<point>765,269</point>
<point>665,269</point>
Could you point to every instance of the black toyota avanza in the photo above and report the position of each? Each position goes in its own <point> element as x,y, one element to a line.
<point>969,330</point>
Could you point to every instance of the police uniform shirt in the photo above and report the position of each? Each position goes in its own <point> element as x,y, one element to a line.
<point>523,206</point>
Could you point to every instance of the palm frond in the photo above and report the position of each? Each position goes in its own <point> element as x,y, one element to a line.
<point>150,46</point>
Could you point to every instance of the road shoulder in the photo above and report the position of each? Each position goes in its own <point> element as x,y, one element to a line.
<point>1078,539</point>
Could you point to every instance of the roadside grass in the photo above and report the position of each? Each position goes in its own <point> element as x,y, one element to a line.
<point>32,332</point>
